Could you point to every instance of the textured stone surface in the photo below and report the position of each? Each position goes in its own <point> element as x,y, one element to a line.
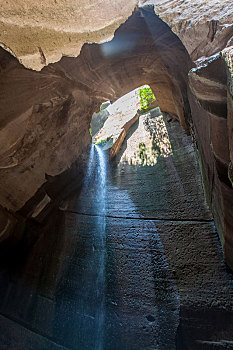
<point>228,57</point>
<point>163,267</point>
<point>98,120</point>
<point>41,33</point>
<point>177,162</point>
<point>163,256</point>
<point>211,100</point>
<point>43,140</point>
<point>53,107</point>
<point>204,27</point>
<point>120,113</point>
<point>10,225</point>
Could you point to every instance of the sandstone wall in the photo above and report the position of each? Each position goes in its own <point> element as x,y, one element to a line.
<point>204,27</point>
<point>210,98</point>
<point>45,115</point>
<point>39,33</point>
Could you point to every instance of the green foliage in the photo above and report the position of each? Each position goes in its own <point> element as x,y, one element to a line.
<point>146,97</point>
<point>102,141</point>
<point>142,153</point>
<point>90,132</point>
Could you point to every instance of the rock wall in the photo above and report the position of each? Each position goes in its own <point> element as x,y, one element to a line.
<point>210,99</point>
<point>45,116</point>
<point>53,107</point>
<point>163,266</point>
<point>204,27</point>
<point>39,33</point>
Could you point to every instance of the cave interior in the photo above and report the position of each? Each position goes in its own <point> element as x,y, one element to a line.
<point>127,246</point>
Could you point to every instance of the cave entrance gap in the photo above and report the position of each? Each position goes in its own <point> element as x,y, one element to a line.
<point>110,125</point>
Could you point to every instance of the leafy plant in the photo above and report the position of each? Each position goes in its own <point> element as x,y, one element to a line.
<point>146,97</point>
<point>102,141</point>
<point>142,152</point>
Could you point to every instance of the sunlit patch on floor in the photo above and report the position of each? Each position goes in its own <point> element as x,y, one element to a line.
<point>148,142</point>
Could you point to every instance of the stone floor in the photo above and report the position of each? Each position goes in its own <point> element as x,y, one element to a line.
<point>164,284</point>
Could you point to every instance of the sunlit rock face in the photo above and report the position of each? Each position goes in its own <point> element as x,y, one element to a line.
<point>53,107</point>
<point>122,114</point>
<point>45,116</point>
<point>205,27</point>
<point>211,104</point>
<point>39,33</point>
<point>147,141</point>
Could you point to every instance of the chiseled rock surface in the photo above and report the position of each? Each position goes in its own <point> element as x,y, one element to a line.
<point>164,282</point>
<point>45,115</point>
<point>228,56</point>
<point>210,99</point>
<point>40,133</point>
<point>39,33</point>
<point>171,191</point>
<point>204,26</point>
<point>120,112</point>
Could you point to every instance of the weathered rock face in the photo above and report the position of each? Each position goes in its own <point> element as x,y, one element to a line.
<point>163,264</point>
<point>204,27</point>
<point>40,33</point>
<point>228,56</point>
<point>40,131</point>
<point>211,100</point>
<point>54,106</point>
<point>45,115</point>
<point>163,268</point>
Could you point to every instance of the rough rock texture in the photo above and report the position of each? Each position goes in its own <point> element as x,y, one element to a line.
<point>204,27</point>
<point>53,107</point>
<point>120,112</point>
<point>39,33</point>
<point>98,120</point>
<point>211,100</point>
<point>66,94</point>
<point>122,115</point>
<point>228,56</point>
<point>164,285</point>
<point>189,240</point>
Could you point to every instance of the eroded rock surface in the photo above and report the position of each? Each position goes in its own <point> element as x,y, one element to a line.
<point>204,27</point>
<point>45,115</point>
<point>211,104</point>
<point>53,107</point>
<point>40,33</point>
<point>164,284</point>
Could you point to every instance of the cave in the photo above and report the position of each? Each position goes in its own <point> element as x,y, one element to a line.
<point>124,244</point>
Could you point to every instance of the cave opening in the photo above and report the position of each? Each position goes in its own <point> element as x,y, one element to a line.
<point>110,125</point>
<point>122,255</point>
